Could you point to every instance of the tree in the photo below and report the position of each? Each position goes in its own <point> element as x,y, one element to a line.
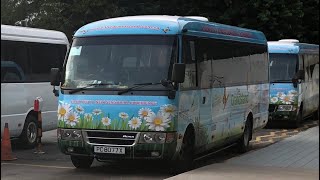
<point>278,19</point>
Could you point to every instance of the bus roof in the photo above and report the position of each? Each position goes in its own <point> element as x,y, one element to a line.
<point>292,47</point>
<point>168,25</point>
<point>26,34</point>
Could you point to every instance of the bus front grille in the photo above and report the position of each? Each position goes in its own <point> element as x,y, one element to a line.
<point>111,137</point>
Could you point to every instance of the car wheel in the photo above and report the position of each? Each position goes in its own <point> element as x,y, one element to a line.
<point>29,135</point>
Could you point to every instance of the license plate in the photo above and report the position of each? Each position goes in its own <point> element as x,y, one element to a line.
<point>109,150</point>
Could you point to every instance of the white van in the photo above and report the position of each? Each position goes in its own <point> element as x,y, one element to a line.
<point>27,55</point>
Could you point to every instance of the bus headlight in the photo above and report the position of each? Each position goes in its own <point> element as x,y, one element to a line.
<point>152,137</point>
<point>70,134</point>
<point>285,108</point>
<point>160,137</point>
<point>148,138</point>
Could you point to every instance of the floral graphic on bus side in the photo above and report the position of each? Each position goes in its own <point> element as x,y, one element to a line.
<point>88,117</point>
<point>282,98</point>
<point>123,115</point>
<point>274,99</point>
<point>72,118</point>
<point>145,112</point>
<point>96,112</point>
<point>293,93</point>
<point>106,121</point>
<point>135,123</point>
<point>287,99</point>
<point>158,122</point>
<point>168,110</point>
<point>279,94</point>
<point>79,109</point>
<point>142,119</point>
<point>63,110</point>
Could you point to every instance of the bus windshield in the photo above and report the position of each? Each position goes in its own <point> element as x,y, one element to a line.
<point>282,67</point>
<point>119,61</point>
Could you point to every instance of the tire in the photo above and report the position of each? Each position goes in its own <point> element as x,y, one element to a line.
<point>186,154</point>
<point>82,162</point>
<point>299,119</point>
<point>243,144</point>
<point>316,115</point>
<point>29,136</point>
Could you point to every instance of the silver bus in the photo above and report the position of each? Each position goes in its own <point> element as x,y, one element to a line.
<point>27,55</point>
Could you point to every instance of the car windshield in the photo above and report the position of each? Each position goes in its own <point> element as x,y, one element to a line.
<point>282,67</point>
<point>119,61</point>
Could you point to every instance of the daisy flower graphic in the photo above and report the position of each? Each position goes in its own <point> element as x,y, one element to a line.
<point>286,99</point>
<point>135,123</point>
<point>274,99</point>
<point>96,111</point>
<point>168,110</point>
<point>63,110</point>
<point>123,115</point>
<point>279,94</point>
<point>106,121</point>
<point>158,122</point>
<point>145,112</point>
<point>293,93</point>
<point>80,109</point>
<point>72,118</point>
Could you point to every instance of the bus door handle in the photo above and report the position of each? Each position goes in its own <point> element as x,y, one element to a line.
<point>203,100</point>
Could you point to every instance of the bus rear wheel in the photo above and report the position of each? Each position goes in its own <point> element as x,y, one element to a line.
<point>243,144</point>
<point>81,162</point>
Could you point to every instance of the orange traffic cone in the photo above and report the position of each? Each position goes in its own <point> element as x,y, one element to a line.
<point>6,152</point>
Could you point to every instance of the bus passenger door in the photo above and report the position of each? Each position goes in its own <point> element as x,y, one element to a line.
<point>204,75</point>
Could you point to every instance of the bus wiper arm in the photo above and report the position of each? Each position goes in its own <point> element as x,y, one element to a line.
<point>87,86</point>
<point>136,86</point>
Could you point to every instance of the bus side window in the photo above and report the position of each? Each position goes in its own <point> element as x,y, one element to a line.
<point>190,81</point>
<point>43,57</point>
<point>10,75</point>
<point>14,58</point>
<point>204,57</point>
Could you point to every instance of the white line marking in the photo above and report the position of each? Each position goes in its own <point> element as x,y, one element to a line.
<point>37,165</point>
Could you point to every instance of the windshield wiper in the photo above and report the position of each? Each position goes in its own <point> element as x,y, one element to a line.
<point>89,85</point>
<point>136,86</point>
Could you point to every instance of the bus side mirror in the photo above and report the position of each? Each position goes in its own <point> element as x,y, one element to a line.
<point>298,76</point>
<point>178,72</point>
<point>55,77</point>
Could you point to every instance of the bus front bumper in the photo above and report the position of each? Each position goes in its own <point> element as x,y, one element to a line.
<point>163,151</point>
<point>282,116</point>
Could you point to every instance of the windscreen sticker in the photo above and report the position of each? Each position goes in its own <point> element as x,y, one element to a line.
<point>75,51</point>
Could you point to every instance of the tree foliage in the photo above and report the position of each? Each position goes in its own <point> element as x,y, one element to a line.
<point>278,19</point>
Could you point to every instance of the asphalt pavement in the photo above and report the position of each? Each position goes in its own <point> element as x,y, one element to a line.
<point>55,165</point>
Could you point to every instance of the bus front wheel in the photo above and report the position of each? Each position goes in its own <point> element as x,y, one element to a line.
<point>186,154</point>
<point>298,119</point>
<point>81,162</point>
<point>185,162</point>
